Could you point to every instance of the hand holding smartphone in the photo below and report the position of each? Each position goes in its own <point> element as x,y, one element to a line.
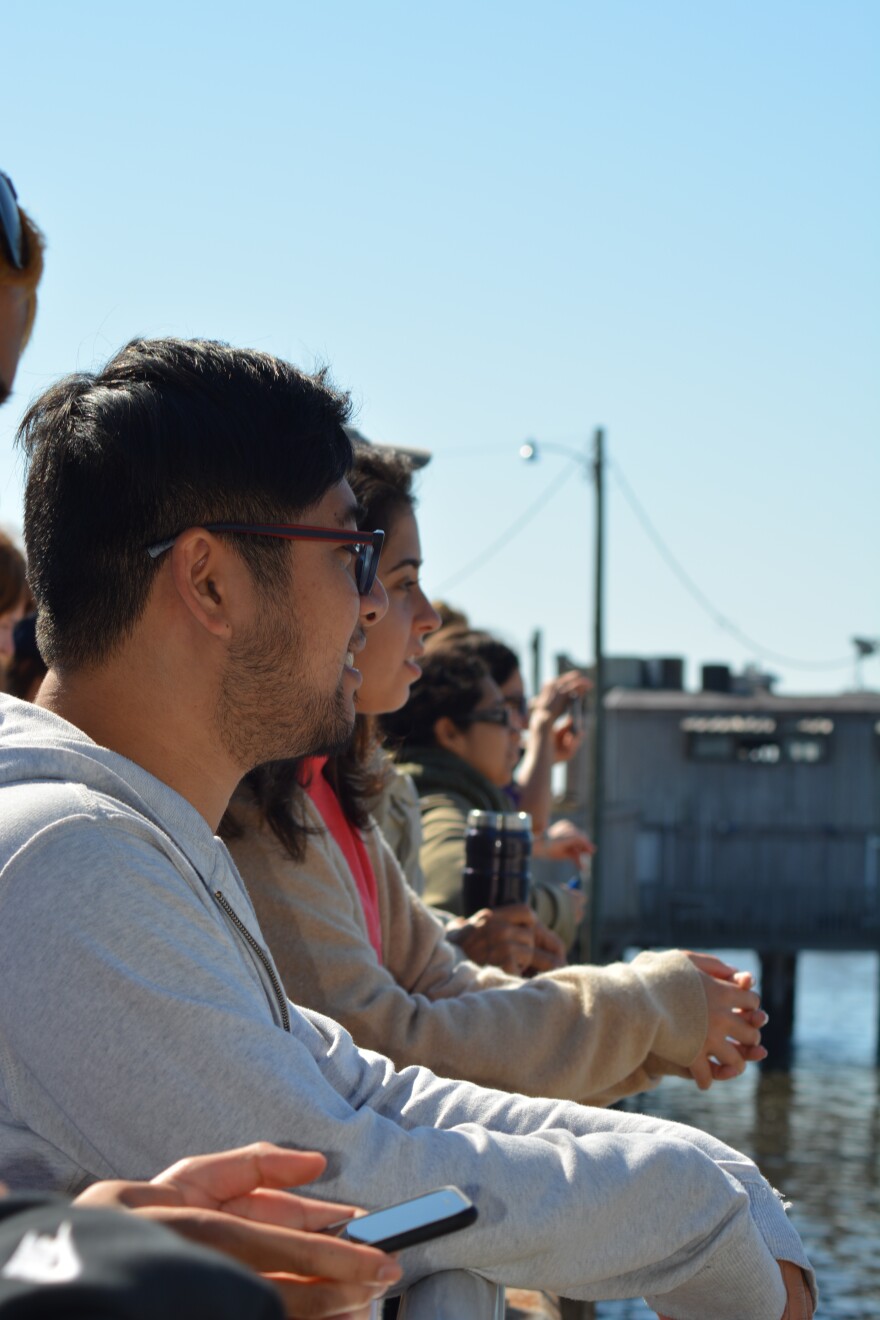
<point>445,1210</point>
<point>577,713</point>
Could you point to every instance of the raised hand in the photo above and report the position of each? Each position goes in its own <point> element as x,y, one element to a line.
<point>563,842</point>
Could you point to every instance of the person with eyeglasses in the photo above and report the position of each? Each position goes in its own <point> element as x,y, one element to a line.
<point>456,714</point>
<point>548,733</point>
<point>459,740</point>
<point>541,734</point>
<point>545,730</point>
<point>60,1257</point>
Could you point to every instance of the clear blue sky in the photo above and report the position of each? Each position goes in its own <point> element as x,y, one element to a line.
<point>496,221</point>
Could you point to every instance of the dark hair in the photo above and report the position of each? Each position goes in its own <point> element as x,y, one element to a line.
<point>382,482</point>
<point>13,575</point>
<point>451,684</point>
<point>170,434</point>
<point>499,659</point>
<point>274,787</point>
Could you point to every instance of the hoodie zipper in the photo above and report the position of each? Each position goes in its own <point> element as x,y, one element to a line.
<point>261,954</point>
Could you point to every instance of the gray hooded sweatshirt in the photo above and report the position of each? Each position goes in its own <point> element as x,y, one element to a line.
<point>142,1019</point>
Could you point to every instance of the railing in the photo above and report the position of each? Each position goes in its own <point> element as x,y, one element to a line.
<point>452,1295</point>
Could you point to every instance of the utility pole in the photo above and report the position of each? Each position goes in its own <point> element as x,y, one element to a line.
<point>864,647</point>
<point>598,802</point>
<point>529,451</point>
<point>537,643</point>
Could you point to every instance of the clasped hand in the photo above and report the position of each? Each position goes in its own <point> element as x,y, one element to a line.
<point>733,1038</point>
<point>510,937</point>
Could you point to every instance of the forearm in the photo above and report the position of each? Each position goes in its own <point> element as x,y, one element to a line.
<point>672,1214</point>
<point>582,1033</point>
<point>573,1035</point>
<point>595,1034</point>
<point>533,776</point>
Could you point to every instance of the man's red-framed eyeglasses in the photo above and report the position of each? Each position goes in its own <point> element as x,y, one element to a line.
<point>367,546</point>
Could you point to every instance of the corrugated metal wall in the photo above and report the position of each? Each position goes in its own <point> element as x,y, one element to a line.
<point>770,856</point>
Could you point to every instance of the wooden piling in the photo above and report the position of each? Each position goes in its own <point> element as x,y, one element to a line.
<point>778,972</point>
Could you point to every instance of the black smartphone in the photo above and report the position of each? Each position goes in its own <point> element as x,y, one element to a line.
<point>577,712</point>
<point>445,1210</point>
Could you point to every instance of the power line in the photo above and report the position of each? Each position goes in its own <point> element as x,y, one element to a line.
<point>693,590</point>
<point>513,530</point>
<point>700,596</point>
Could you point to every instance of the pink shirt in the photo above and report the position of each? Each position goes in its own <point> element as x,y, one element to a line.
<point>349,841</point>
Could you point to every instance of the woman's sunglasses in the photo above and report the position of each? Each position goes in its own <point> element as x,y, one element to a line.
<point>494,715</point>
<point>10,224</point>
<point>367,545</point>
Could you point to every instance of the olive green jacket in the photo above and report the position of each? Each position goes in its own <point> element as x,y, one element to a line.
<point>448,789</point>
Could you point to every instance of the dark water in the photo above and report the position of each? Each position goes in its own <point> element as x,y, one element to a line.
<point>814,1131</point>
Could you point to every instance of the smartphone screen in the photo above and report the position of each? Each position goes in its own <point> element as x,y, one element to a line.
<point>443,1211</point>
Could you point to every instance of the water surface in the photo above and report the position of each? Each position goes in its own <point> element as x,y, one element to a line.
<point>814,1130</point>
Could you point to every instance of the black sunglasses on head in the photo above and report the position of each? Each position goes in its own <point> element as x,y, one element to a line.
<point>11,231</point>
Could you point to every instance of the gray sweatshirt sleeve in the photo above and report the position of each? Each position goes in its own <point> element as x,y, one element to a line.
<point>137,1029</point>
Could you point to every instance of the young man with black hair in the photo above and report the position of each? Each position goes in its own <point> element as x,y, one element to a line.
<point>188,639</point>
<point>58,1258</point>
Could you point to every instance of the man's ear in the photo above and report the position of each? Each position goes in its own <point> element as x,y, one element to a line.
<point>447,734</point>
<point>203,577</point>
